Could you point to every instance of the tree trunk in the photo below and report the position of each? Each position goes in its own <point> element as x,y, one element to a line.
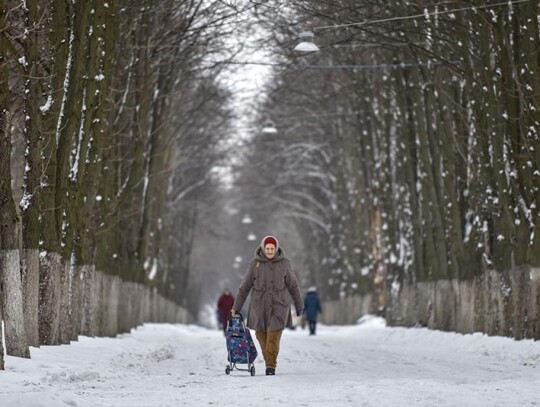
<point>111,326</point>
<point>60,49</point>
<point>412,179</point>
<point>16,344</point>
<point>66,273</point>
<point>30,280</point>
<point>90,304</point>
<point>31,187</point>
<point>10,268</point>
<point>434,173</point>
<point>76,301</point>
<point>49,298</point>
<point>1,336</point>
<point>5,175</point>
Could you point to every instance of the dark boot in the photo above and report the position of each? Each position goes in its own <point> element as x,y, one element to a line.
<point>270,371</point>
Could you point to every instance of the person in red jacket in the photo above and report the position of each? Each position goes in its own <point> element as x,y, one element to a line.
<point>224,306</point>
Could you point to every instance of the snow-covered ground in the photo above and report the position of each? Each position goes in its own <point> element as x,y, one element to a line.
<point>362,365</point>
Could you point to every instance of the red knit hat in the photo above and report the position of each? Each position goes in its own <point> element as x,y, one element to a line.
<point>269,240</point>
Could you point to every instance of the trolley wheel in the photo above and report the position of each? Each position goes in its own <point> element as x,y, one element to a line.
<point>228,370</point>
<point>252,370</point>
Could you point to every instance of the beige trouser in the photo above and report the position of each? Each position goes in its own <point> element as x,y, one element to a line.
<point>269,342</point>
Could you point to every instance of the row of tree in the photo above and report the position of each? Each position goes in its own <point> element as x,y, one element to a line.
<point>115,119</point>
<point>408,147</point>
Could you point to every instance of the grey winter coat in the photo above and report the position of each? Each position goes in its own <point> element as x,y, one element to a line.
<point>272,284</point>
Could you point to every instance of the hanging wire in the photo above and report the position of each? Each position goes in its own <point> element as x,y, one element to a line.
<point>359,67</point>
<point>506,3</point>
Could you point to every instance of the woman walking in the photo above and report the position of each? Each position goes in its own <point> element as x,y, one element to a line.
<point>271,280</point>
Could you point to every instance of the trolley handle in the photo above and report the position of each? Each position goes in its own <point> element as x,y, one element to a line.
<point>237,316</point>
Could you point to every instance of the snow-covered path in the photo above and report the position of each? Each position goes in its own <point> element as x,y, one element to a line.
<point>365,365</point>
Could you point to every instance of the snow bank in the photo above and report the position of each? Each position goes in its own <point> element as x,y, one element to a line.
<point>371,321</point>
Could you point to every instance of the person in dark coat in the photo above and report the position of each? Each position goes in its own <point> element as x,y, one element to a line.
<point>272,283</point>
<point>312,308</point>
<point>224,306</point>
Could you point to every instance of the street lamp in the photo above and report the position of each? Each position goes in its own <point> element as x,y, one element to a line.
<point>269,128</point>
<point>306,43</point>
